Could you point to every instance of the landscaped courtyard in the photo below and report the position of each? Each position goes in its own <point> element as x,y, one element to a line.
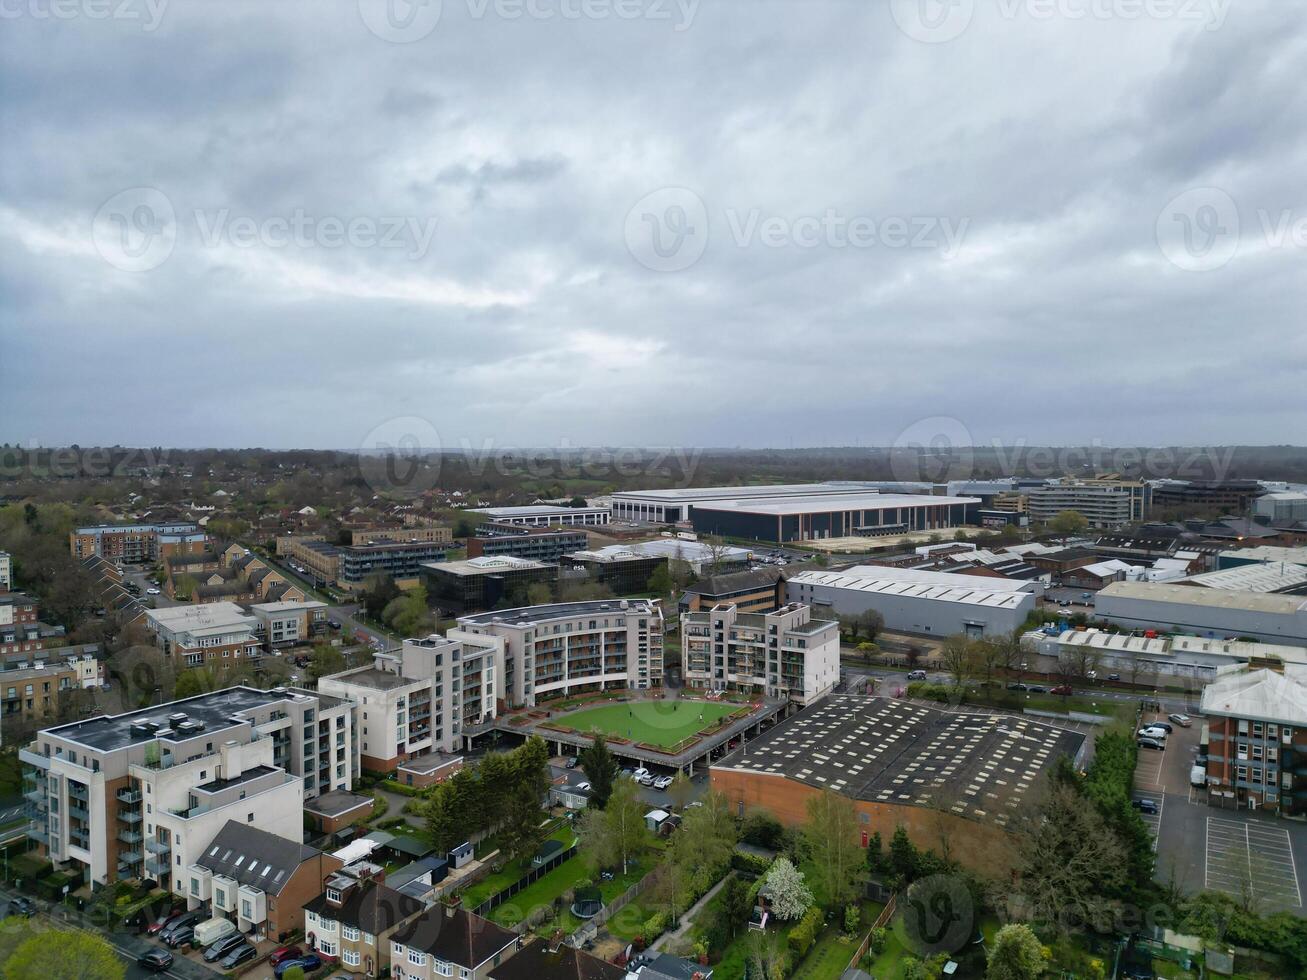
<point>665,722</point>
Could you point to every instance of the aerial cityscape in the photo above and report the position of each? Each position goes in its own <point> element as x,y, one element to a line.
<point>653,490</point>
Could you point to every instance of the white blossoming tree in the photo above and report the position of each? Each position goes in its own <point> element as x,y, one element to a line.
<point>789,893</point>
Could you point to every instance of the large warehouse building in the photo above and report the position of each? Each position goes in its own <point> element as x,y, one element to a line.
<point>902,764</point>
<point>833,516</point>
<point>670,506</point>
<point>915,601</point>
<point>1206,612</point>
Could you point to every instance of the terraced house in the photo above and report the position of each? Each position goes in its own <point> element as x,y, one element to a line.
<point>450,942</point>
<point>356,917</point>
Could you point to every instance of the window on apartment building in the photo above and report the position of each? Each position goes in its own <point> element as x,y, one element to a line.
<point>440,968</point>
<point>349,932</point>
<point>350,957</point>
<point>326,947</point>
<point>416,957</point>
<point>1242,772</point>
<point>369,939</point>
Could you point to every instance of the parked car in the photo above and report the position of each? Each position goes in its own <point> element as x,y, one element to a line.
<point>152,591</point>
<point>916,675</point>
<point>22,905</point>
<point>1165,726</point>
<point>1184,721</point>
<point>662,782</point>
<point>164,920</point>
<point>155,960</point>
<point>284,953</point>
<point>211,930</point>
<point>184,921</point>
<point>219,948</point>
<point>1017,686</point>
<point>238,955</point>
<point>646,780</point>
<point>1146,806</point>
<point>185,936</point>
<point>1063,689</point>
<point>308,963</point>
<point>571,762</point>
<point>1152,731</point>
<point>1037,689</point>
<point>1149,743</point>
<point>1113,677</point>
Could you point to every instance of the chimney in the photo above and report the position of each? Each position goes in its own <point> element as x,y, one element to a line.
<point>449,911</point>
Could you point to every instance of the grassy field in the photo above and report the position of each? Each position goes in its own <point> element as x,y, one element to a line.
<point>830,954</point>
<point>656,722</point>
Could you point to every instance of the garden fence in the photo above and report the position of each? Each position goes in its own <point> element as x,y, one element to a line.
<point>528,879</point>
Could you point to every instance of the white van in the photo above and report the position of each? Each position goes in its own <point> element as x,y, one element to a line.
<point>916,675</point>
<point>1197,776</point>
<point>212,930</point>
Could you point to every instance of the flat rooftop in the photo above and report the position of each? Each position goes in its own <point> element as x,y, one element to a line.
<point>1187,595</point>
<point>528,615</point>
<point>884,750</point>
<point>538,510</point>
<point>336,803</point>
<point>784,506</point>
<point>982,594</point>
<point>692,494</point>
<point>485,565</point>
<point>205,616</point>
<point>379,680</point>
<point>214,710</point>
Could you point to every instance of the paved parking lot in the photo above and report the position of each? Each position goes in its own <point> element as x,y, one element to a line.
<point>1245,857</point>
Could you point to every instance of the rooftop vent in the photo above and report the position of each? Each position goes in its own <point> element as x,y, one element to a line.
<point>179,716</point>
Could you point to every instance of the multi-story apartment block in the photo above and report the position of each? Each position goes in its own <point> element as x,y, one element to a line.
<point>142,794</point>
<point>6,572</point>
<point>400,560</point>
<point>211,634</point>
<point>32,693</point>
<point>20,627</point>
<point>546,544</point>
<point>355,918</point>
<point>137,543</point>
<point>449,942</point>
<point>287,623</point>
<point>1104,503</point>
<point>1257,730</point>
<point>429,700</point>
<point>780,654</point>
<point>428,533</point>
<point>567,648</point>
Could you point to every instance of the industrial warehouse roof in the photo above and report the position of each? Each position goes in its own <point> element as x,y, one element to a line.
<point>782,506</point>
<point>1000,596</point>
<point>1264,695</point>
<point>884,750</point>
<point>1268,552</point>
<point>682,494</point>
<point>1260,577</point>
<point>1187,595</point>
<point>537,510</point>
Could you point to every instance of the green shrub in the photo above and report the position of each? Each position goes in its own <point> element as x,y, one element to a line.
<point>655,925</point>
<point>852,916</point>
<point>749,863</point>
<point>802,936</point>
<point>879,938</point>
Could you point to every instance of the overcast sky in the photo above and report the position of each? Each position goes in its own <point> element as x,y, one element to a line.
<point>652,222</point>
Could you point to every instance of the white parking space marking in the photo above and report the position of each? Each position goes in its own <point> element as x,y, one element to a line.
<point>1242,855</point>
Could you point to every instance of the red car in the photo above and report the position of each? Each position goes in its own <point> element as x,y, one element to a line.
<point>1061,689</point>
<point>284,953</point>
<point>159,924</point>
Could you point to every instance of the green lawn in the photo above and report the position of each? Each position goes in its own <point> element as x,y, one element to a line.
<point>661,723</point>
<point>830,954</point>
<point>543,892</point>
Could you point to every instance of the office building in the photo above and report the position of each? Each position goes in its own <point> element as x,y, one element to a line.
<point>1257,747</point>
<point>1103,503</point>
<point>672,506</point>
<point>780,654</point>
<point>1282,507</point>
<point>616,566</point>
<point>137,543</point>
<point>1173,607</point>
<point>399,560</point>
<point>142,794</point>
<point>813,518</point>
<point>1227,496</point>
<point>416,533</point>
<point>481,583</point>
<point>756,591</point>
<point>544,544</point>
<point>701,558</point>
<point>429,700</point>
<point>544,515</point>
<point>913,601</point>
<point>568,648</point>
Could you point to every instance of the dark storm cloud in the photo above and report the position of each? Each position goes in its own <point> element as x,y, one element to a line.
<point>448,228</point>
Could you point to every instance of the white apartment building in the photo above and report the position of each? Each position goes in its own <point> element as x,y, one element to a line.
<point>565,648</point>
<point>780,654</point>
<point>6,572</point>
<point>204,634</point>
<point>287,623</point>
<point>141,794</point>
<point>1104,503</point>
<point>436,693</point>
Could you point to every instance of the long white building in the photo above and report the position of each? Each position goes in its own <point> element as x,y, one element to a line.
<point>1209,612</point>
<point>915,601</point>
<point>673,505</point>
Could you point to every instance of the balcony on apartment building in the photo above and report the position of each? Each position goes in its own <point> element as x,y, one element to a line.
<point>128,795</point>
